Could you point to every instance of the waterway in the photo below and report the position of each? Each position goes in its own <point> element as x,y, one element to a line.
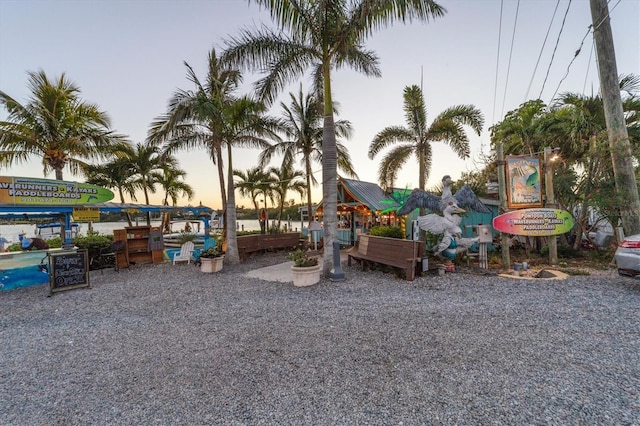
<point>11,232</point>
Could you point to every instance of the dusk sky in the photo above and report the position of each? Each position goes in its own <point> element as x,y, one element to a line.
<point>127,57</point>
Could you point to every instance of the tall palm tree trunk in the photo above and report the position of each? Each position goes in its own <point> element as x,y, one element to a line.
<point>223,193</point>
<point>309,213</point>
<point>329,173</point>
<point>329,191</point>
<point>232,255</point>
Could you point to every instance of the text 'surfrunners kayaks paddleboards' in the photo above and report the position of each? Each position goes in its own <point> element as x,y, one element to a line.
<point>21,191</point>
<point>534,222</point>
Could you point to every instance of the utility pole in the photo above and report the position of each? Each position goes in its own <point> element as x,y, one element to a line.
<point>626,186</point>
<point>550,203</point>
<point>502,193</point>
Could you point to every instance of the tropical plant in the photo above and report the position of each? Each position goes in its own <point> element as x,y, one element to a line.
<point>321,36</point>
<point>193,117</point>
<point>245,125</point>
<point>146,161</point>
<point>286,179</point>
<point>214,117</point>
<point>387,231</point>
<point>116,174</point>
<point>416,138</point>
<point>301,259</point>
<point>302,126</point>
<point>211,253</point>
<point>253,183</point>
<point>56,125</point>
<point>172,183</point>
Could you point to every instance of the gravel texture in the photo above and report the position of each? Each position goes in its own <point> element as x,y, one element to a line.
<point>169,345</point>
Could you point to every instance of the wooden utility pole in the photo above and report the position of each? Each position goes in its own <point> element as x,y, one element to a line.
<point>626,186</point>
<point>550,203</point>
<point>502,193</point>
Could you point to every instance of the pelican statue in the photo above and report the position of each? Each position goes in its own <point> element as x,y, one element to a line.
<point>464,197</point>
<point>450,246</point>
<point>448,224</point>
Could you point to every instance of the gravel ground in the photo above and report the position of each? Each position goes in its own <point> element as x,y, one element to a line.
<point>169,345</point>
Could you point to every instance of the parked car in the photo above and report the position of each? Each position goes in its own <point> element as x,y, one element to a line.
<point>628,256</point>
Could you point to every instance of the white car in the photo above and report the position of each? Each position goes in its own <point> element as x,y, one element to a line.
<point>628,256</point>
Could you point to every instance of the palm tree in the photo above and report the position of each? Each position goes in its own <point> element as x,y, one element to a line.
<point>194,116</point>
<point>286,179</point>
<point>321,36</point>
<point>173,185</point>
<point>521,129</point>
<point>243,124</point>
<point>302,124</point>
<point>417,137</point>
<point>576,123</point>
<point>116,174</point>
<point>253,183</point>
<point>56,125</point>
<point>171,182</point>
<point>146,161</point>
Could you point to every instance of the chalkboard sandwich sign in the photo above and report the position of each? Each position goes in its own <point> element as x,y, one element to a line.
<point>68,270</point>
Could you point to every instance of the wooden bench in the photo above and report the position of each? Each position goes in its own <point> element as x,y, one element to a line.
<point>403,254</point>
<point>248,244</point>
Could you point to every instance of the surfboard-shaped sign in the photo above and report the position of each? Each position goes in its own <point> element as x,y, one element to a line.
<point>26,191</point>
<point>534,222</point>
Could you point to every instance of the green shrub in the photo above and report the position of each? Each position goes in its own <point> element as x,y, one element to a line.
<point>52,243</point>
<point>186,236</point>
<point>387,231</point>
<point>55,242</point>
<point>301,259</point>
<point>93,242</point>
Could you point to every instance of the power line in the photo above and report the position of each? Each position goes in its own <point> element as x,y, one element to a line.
<point>589,29</point>
<point>513,36</point>
<point>584,86</point>
<point>544,43</point>
<point>495,85</point>
<point>570,63</point>
<point>554,50</point>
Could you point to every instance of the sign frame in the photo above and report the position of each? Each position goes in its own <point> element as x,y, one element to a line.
<point>542,222</point>
<point>26,191</point>
<point>64,266</point>
<point>524,181</point>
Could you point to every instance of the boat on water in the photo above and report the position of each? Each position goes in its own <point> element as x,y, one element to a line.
<point>47,231</point>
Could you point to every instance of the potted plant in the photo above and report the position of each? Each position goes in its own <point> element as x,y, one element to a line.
<point>211,260</point>
<point>305,269</point>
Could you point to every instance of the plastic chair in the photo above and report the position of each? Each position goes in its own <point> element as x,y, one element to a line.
<point>184,255</point>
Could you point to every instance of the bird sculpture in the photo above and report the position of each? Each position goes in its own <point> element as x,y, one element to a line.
<point>449,225</point>
<point>451,246</point>
<point>464,197</point>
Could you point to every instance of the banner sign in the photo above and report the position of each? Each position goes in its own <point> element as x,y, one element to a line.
<point>82,214</point>
<point>524,180</point>
<point>534,222</point>
<point>26,191</point>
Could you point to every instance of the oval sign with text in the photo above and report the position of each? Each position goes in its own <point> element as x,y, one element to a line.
<point>22,190</point>
<point>534,222</point>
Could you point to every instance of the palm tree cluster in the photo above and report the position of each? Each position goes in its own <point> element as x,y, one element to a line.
<point>576,124</point>
<point>310,39</point>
